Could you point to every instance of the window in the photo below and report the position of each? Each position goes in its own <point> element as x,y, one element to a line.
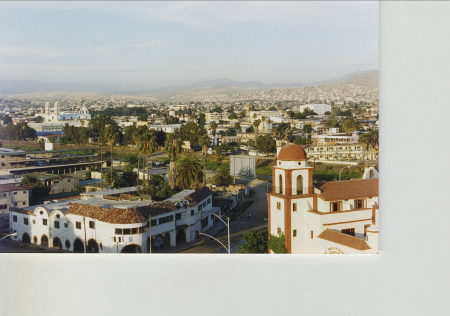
<point>154,222</point>
<point>92,224</point>
<point>294,207</point>
<point>3,207</point>
<point>24,192</point>
<point>68,180</point>
<point>280,184</point>
<point>56,224</point>
<point>23,203</point>
<point>15,218</point>
<point>192,212</point>
<point>294,232</point>
<point>118,231</point>
<point>58,216</point>
<point>126,231</point>
<point>312,235</point>
<point>299,185</point>
<point>278,205</point>
<point>349,231</point>
<point>178,216</point>
<point>359,204</point>
<point>66,225</point>
<point>278,230</point>
<point>134,231</point>
<point>78,225</point>
<point>44,221</point>
<point>15,193</point>
<point>34,221</point>
<point>25,221</point>
<point>335,206</point>
<point>209,201</point>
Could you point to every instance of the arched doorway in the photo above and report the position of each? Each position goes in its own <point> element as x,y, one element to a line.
<point>57,243</point>
<point>299,185</point>
<point>92,246</point>
<point>167,240</point>
<point>181,236</point>
<point>44,240</point>
<point>26,238</point>
<point>131,249</point>
<point>78,246</point>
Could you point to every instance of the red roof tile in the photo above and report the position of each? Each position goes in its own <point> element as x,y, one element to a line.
<point>350,189</point>
<point>10,187</point>
<point>292,152</point>
<point>344,239</point>
<point>112,216</point>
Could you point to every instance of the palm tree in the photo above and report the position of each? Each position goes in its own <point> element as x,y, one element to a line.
<point>256,125</point>
<point>205,142</point>
<point>113,136</point>
<point>213,126</point>
<point>173,147</point>
<point>146,142</point>
<point>190,172</point>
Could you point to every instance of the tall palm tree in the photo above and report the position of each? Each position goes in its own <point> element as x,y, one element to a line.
<point>146,142</point>
<point>113,137</point>
<point>190,172</point>
<point>173,148</point>
<point>213,126</point>
<point>205,142</point>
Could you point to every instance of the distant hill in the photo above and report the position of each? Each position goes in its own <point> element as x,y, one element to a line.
<point>208,87</point>
<point>30,86</point>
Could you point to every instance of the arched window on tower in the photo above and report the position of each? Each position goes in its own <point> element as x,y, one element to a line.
<point>299,185</point>
<point>280,184</point>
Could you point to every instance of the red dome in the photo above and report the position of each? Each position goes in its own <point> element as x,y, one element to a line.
<point>292,152</point>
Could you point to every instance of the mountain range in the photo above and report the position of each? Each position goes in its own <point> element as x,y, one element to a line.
<point>12,87</point>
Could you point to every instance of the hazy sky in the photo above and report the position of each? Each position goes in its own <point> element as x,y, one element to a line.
<point>154,44</point>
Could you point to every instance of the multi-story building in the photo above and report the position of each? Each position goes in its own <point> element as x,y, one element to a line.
<point>336,217</point>
<point>14,196</point>
<point>113,222</point>
<point>340,153</point>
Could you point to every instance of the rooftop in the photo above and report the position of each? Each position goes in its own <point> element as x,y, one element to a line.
<point>344,239</point>
<point>349,189</point>
<point>10,187</point>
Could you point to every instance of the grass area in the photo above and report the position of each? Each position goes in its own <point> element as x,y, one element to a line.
<point>265,170</point>
<point>241,209</point>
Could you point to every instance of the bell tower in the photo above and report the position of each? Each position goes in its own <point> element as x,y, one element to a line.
<point>292,192</point>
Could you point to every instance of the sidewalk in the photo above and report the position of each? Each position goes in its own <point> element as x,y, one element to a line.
<point>213,231</point>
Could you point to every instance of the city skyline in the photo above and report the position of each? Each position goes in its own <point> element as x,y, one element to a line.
<point>153,44</point>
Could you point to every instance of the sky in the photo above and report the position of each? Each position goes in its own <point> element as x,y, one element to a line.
<point>158,44</point>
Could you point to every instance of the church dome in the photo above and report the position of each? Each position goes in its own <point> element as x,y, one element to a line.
<point>292,152</point>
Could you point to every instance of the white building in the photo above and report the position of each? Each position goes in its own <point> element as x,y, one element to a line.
<point>56,115</point>
<point>14,196</point>
<point>112,222</point>
<point>336,217</point>
<point>320,109</point>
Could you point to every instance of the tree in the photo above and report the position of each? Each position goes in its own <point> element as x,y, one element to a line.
<point>190,172</point>
<point>205,142</point>
<point>307,128</point>
<point>369,139</point>
<point>173,147</point>
<point>223,177</point>
<point>143,117</point>
<point>191,132</point>
<point>265,144</point>
<point>280,131</point>
<point>277,243</point>
<point>213,126</point>
<point>255,242</point>
<point>201,120</point>
<point>232,116</point>
<point>349,125</point>
<point>6,119</point>
<point>39,190</point>
<point>331,122</point>
<point>146,142</point>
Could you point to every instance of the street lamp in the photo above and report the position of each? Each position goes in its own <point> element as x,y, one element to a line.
<point>15,234</point>
<point>228,226</point>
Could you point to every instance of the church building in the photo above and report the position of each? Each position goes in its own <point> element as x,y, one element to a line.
<point>335,217</point>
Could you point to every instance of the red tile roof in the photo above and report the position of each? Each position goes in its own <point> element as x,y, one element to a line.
<point>292,152</point>
<point>350,189</point>
<point>21,210</point>
<point>112,216</point>
<point>157,209</point>
<point>344,239</point>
